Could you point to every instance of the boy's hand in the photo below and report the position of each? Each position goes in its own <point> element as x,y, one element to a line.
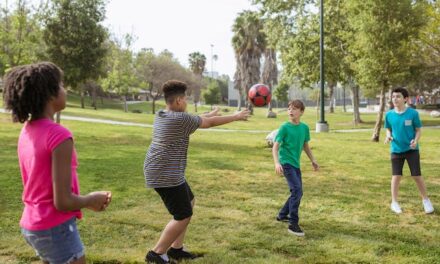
<point>388,139</point>
<point>215,112</point>
<point>98,201</point>
<point>243,115</point>
<point>279,169</point>
<point>315,165</point>
<point>413,144</point>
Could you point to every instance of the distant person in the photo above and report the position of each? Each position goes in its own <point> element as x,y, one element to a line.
<point>403,130</point>
<point>165,164</point>
<point>48,163</point>
<point>293,137</point>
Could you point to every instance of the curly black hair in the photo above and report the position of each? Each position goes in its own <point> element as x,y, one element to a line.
<point>28,88</point>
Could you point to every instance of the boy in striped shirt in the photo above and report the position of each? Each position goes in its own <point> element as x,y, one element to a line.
<point>165,164</point>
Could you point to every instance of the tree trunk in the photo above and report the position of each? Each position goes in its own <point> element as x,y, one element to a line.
<point>195,106</point>
<point>269,105</point>
<point>378,125</point>
<point>125,103</point>
<point>343,99</point>
<point>239,99</point>
<point>153,106</point>
<point>94,105</point>
<point>82,98</point>
<point>58,117</point>
<point>250,107</point>
<point>390,101</point>
<point>355,102</point>
<point>331,88</point>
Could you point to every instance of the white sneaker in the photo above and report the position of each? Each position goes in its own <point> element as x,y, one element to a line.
<point>428,206</point>
<point>395,207</point>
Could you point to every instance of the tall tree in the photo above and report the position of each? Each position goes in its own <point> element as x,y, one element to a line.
<point>75,38</point>
<point>269,75</point>
<point>212,94</point>
<point>249,44</point>
<point>20,34</point>
<point>238,82</point>
<point>384,30</point>
<point>197,63</point>
<point>120,71</point>
<point>425,79</point>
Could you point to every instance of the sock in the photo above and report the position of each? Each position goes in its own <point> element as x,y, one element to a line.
<point>165,257</point>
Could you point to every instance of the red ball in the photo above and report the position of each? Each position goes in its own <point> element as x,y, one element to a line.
<point>259,95</point>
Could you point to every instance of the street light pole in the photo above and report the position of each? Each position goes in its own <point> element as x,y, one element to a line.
<point>322,125</point>
<point>212,62</point>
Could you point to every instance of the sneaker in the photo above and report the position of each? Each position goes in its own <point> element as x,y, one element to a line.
<point>296,230</point>
<point>153,257</point>
<point>283,219</point>
<point>428,206</point>
<point>395,207</point>
<point>180,253</point>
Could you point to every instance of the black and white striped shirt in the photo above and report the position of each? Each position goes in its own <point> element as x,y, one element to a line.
<point>165,161</point>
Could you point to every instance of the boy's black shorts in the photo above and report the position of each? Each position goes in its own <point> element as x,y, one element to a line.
<point>413,158</point>
<point>177,200</point>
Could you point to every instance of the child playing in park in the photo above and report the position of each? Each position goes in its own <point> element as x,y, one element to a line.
<point>291,140</point>
<point>165,164</point>
<point>48,163</point>
<point>403,130</point>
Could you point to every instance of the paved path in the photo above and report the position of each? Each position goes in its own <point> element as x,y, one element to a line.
<point>122,123</point>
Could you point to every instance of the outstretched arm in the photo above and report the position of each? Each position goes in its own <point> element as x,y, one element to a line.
<point>214,112</point>
<point>213,121</point>
<point>309,153</point>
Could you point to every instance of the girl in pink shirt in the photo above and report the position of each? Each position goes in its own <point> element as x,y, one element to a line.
<point>48,162</point>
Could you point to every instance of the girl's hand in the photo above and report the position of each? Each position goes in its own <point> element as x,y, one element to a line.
<point>98,201</point>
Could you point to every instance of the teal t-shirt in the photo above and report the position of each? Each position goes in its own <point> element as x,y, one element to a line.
<point>291,138</point>
<point>403,128</point>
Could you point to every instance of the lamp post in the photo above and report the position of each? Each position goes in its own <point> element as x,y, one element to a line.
<point>212,62</point>
<point>322,125</point>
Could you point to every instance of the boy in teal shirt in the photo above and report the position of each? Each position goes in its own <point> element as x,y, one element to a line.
<point>403,128</point>
<point>291,140</point>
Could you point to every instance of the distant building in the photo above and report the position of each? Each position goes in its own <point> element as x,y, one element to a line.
<point>212,74</point>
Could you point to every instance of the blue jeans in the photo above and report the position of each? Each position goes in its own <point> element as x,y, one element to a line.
<point>58,245</point>
<point>290,208</point>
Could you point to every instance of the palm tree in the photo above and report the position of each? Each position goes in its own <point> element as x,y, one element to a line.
<point>270,73</point>
<point>249,43</point>
<point>197,62</point>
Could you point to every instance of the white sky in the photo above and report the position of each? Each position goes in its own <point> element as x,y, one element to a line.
<point>180,26</point>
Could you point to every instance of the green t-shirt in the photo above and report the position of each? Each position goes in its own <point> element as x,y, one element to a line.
<point>291,138</point>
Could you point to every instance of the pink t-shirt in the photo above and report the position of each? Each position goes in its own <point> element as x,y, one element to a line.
<point>35,145</point>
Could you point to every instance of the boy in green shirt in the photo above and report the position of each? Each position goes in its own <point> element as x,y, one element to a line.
<point>291,140</point>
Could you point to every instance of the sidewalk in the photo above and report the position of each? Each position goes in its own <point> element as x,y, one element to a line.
<point>122,123</point>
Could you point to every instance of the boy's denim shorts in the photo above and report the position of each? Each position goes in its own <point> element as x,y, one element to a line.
<point>58,245</point>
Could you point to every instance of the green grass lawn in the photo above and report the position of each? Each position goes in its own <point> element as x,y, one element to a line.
<point>113,110</point>
<point>344,211</point>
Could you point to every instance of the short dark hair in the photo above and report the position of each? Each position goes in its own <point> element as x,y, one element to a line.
<point>297,104</point>
<point>173,89</point>
<point>28,88</point>
<point>401,90</point>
